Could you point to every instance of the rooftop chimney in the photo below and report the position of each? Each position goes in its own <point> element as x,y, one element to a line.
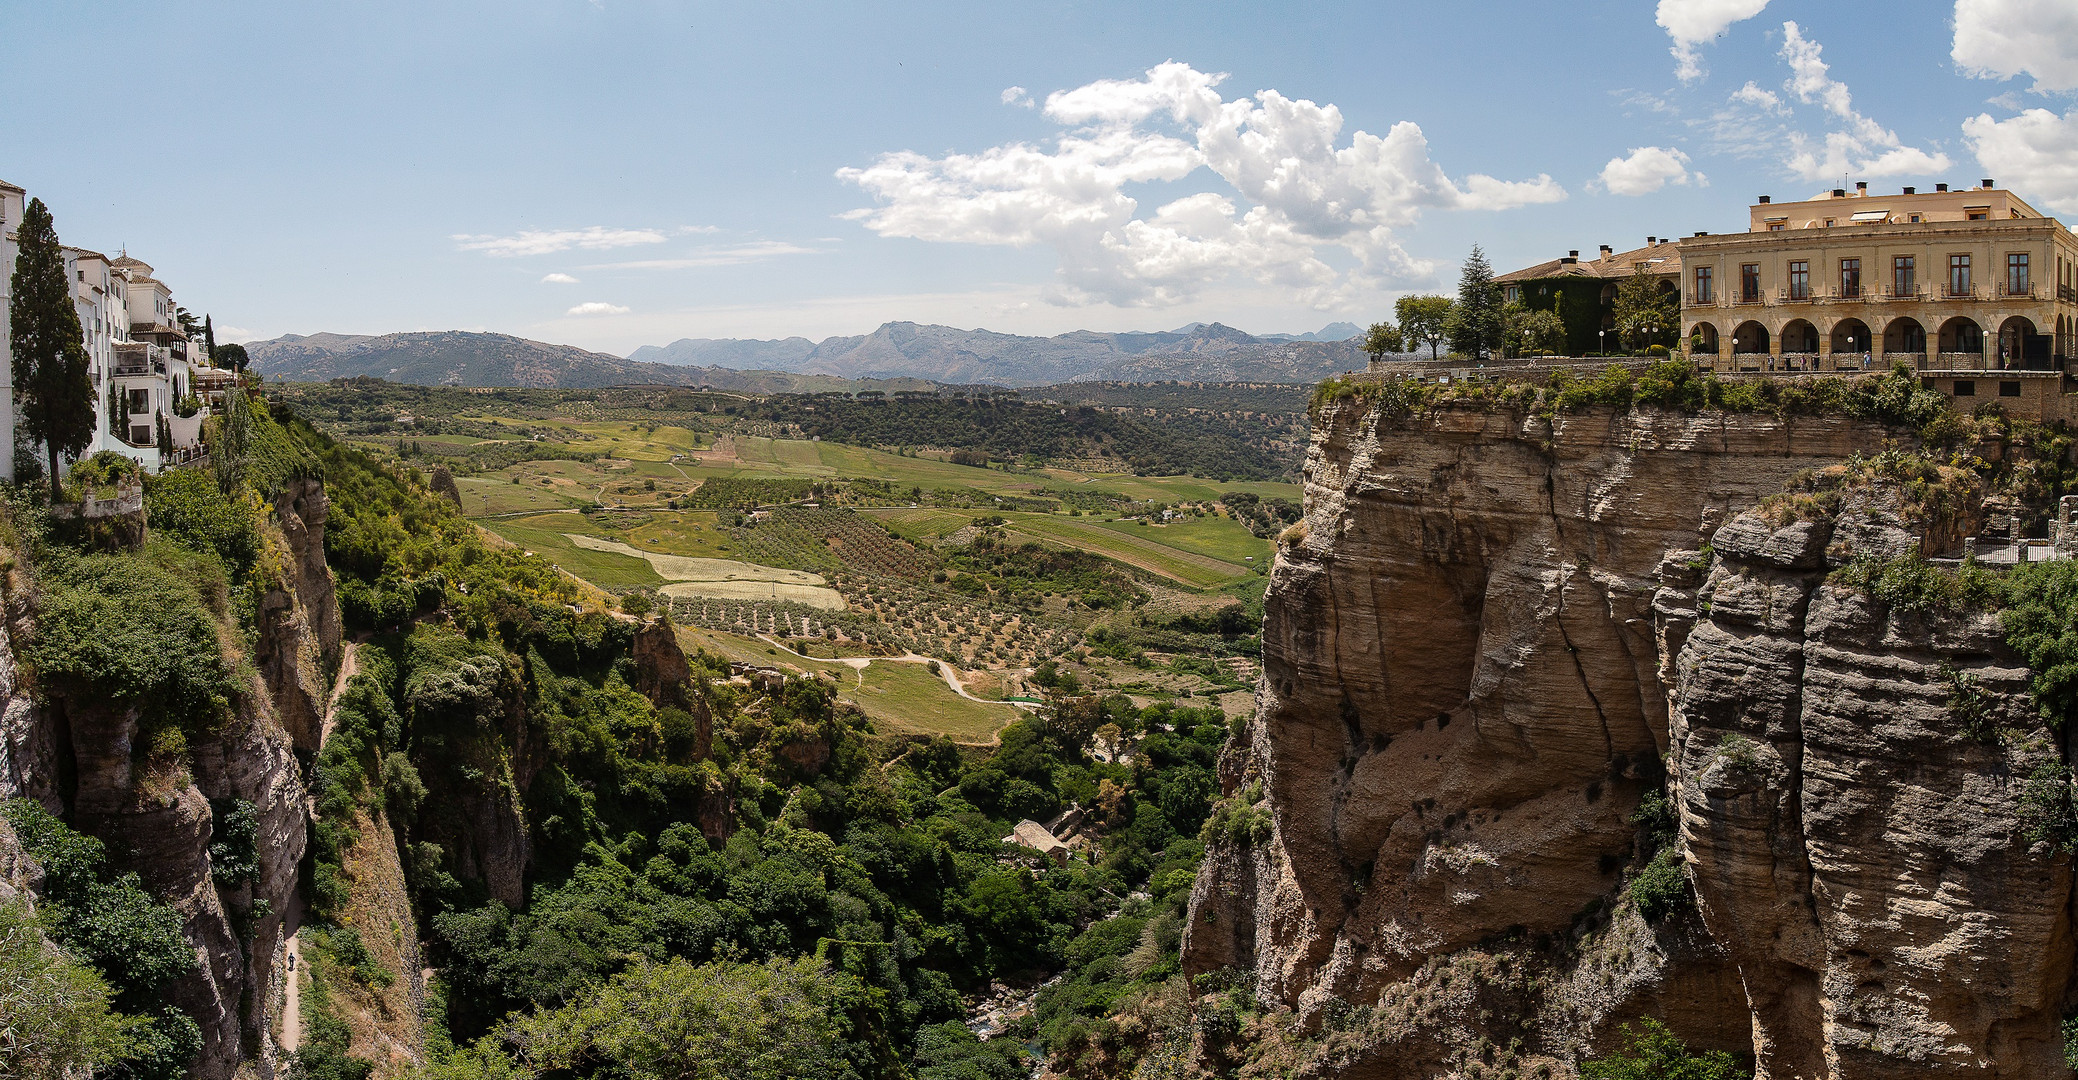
<point>1766,198</point>
<point>1573,254</point>
<point>1652,241</point>
<point>1839,193</point>
<point>1911,191</point>
<point>1861,187</point>
<point>1988,184</point>
<point>1700,232</point>
<point>1607,251</point>
<point>1940,187</point>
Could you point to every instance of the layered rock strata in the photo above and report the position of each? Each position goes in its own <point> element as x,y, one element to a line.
<point>1493,634</point>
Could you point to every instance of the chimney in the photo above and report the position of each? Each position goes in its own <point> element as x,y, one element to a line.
<point>1765,198</point>
<point>1839,193</point>
<point>1861,187</point>
<point>1573,254</point>
<point>1607,251</point>
<point>1940,187</point>
<point>1700,232</point>
<point>1911,191</point>
<point>1988,184</point>
<point>1652,241</point>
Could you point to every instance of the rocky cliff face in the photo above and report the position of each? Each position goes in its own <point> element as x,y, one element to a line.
<point>76,757</point>
<point>1495,634</point>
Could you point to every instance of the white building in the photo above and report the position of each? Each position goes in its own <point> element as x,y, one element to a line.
<point>142,365</point>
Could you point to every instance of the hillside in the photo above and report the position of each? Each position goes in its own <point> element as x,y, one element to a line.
<point>465,358</point>
<point>947,354</point>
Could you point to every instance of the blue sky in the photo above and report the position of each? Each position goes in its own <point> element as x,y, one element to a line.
<point>759,170</point>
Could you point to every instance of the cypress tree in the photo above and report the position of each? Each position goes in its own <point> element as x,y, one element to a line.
<point>52,388</point>
<point>208,340</point>
<point>1475,328</point>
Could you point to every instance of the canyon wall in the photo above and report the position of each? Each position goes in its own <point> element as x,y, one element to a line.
<point>1494,634</point>
<point>78,756</point>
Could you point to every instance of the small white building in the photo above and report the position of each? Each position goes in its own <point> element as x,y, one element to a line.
<point>142,365</point>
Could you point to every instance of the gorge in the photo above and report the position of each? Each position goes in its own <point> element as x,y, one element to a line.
<point>1497,635</point>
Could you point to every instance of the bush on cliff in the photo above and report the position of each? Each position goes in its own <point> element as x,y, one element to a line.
<point>1654,1053</point>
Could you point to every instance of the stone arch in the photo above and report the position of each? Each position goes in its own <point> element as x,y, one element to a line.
<point>1962,335</point>
<point>1703,338</point>
<point>1904,335</point>
<point>1750,337</point>
<point>2020,343</point>
<point>1799,336</point>
<point>1851,335</point>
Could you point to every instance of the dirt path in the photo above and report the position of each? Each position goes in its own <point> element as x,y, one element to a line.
<point>292,997</point>
<point>858,663</point>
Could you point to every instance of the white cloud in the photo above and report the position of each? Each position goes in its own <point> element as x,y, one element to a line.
<point>1018,96</point>
<point>1998,39</point>
<point>1865,148</point>
<point>1646,170</point>
<point>1764,100</point>
<point>548,242</point>
<point>558,279</point>
<point>1298,195</point>
<point>1690,23</point>
<point>2036,151</point>
<point>717,256</point>
<point>597,307</point>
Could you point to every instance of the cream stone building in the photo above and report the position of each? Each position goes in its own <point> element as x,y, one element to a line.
<point>1973,289</point>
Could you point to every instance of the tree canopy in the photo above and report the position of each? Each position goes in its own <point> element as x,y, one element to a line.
<point>1424,319</point>
<point>1382,338</point>
<point>51,380</point>
<point>1474,324</point>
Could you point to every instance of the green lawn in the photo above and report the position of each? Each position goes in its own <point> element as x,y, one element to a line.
<point>1152,554</point>
<point>1220,538</point>
<point>542,534</point>
<point>908,697</point>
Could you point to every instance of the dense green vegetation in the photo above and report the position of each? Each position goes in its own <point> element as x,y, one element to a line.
<point>1654,1053</point>
<point>59,1021</point>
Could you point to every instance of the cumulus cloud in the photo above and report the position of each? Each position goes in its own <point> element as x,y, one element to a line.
<point>2036,151</point>
<point>1690,23</point>
<point>597,307</point>
<point>1297,193</point>
<point>1861,147</point>
<point>1764,100</point>
<point>1646,170</point>
<point>558,279</point>
<point>1018,96</point>
<point>1999,39</point>
<point>550,241</point>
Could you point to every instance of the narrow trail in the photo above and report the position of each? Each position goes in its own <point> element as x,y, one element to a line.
<point>292,997</point>
<point>858,664</point>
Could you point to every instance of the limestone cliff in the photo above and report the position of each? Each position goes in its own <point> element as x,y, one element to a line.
<point>74,754</point>
<point>1494,633</point>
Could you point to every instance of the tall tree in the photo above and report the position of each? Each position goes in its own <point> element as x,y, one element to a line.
<point>208,340</point>
<point>53,391</point>
<point>1382,338</point>
<point>232,355</point>
<point>1647,310</point>
<point>1476,323</point>
<point>1423,318</point>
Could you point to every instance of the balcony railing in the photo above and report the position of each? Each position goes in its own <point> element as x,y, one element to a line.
<point>1960,361</point>
<point>1952,291</point>
<point>1849,292</point>
<point>1909,359</point>
<point>2066,292</point>
<point>1793,295</point>
<point>1799,361</point>
<point>1850,361</point>
<point>1702,300</point>
<point>2024,290</point>
<point>1903,292</point>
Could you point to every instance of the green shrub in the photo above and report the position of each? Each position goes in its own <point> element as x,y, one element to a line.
<point>187,505</point>
<point>1654,1053</point>
<point>1662,887</point>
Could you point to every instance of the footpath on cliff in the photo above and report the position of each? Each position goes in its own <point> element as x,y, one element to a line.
<point>292,1004</point>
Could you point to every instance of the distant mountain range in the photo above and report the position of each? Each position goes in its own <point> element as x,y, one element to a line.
<point>1205,351</point>
<point>898,355</point>
<point>466,358</point>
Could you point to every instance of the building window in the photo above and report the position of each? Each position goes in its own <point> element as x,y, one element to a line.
<point>1829,223</point>
<point>1904,276</point>
<point>1914,219</point>
<point>1978,213</point>
<point>2017,282</point>
<point>140,435</point>
<point>1958,275</point>
<point>1776,227</point>
<point>2009,388</point>
<point>1965,388</point>
<point>1800,280</point>
<point>1750,283</point>
<point>1703,284</point>
<point>140,401</point>
<point>1514,294</point>
<point>1850,277</point>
